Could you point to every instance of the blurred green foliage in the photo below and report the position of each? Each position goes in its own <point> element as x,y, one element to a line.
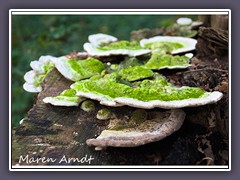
<point>57,35</point>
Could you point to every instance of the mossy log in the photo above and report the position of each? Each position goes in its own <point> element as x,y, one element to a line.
<point>56,132</point>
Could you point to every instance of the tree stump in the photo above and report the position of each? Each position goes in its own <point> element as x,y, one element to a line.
<point>61,132</point>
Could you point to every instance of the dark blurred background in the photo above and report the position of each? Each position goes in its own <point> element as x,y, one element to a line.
<point>57,35</point>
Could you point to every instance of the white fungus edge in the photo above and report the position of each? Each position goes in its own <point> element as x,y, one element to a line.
<point>189,43</point>
<point>92,50</point>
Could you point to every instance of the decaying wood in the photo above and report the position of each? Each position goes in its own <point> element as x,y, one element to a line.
<point>215,21</point>
<point>206,19</point>
<point>55,132</point>
<point>212,42</point>
<point>219,22</point>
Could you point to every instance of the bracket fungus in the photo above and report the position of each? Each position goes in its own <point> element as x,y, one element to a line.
<point>159,126</point>
<point>133,82</point>
<point>87,106</point>
<point>135,73</point>
<point>76,70</point>
<point>34,77</point>
<point>184,21</point>
<point>146,94</point>
<point>104,114</point>
<point>162,61</point>
<point>106,47</point>
<point>171,44</point>
<point>66,98</point>
<point>98,39</point>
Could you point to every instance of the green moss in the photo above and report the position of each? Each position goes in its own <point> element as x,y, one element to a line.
<point>133,45</point>
<point>103,114</point>
<point>164,46</point>
<point>147,90</point>
<point>87,106</point>
<point>159,61</point>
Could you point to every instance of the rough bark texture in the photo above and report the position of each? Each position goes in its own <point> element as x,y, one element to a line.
<point>53,132</point>
<point>216,22</point>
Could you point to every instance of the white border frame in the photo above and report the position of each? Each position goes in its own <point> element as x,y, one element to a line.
<point>120,12</point>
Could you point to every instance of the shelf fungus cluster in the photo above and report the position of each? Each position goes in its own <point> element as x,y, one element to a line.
<point>34,77</point>
<point>136,81</point>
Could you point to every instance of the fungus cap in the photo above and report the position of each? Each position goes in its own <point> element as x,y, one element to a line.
<point>76,70</point>
<point>187,43</point>
<point>184,21</point>
<point>162,125</point>
<point>93,51</point>
<point>98,39</point>
<point>66,98</point>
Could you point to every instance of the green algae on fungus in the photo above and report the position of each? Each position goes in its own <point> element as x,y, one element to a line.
<point>114,66</point>
<point>148,93</point>
<point>76,70</point>
<point>66,98</point>
<point>147,90</point>
<point>34,77</point>
<point>172,44</point>
<point>135,73</point>
<point>130,45</point>
<point>126,63</point>
<point>43,65</point>
<point>87,106</point>
<point>161,61</point>
<point>103,114</point>
<point>130,48</point>
<point>164,46</point>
